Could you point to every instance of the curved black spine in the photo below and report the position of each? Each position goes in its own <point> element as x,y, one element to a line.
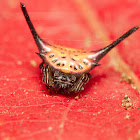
<point>101,53</point>
<point>36,37</point>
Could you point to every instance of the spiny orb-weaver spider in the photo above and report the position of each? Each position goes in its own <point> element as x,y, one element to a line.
<point>66,69</point>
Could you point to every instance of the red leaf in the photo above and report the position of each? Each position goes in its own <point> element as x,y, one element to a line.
<point>28,111</point>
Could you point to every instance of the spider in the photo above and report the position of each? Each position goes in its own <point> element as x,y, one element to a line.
<point>67,69</point>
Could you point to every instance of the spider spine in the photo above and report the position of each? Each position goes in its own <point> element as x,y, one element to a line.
<point>102,52</point>
<point>36,37</point>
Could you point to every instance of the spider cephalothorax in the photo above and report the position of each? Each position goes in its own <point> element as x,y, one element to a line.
<point>64,82</point>
<point>67,69</point>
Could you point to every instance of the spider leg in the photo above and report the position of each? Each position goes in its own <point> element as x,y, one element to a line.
<point>47,76</point>
<point>41,65</point>
<point>84,78</point>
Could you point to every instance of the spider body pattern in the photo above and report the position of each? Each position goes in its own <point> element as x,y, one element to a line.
<point>67,69</point>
